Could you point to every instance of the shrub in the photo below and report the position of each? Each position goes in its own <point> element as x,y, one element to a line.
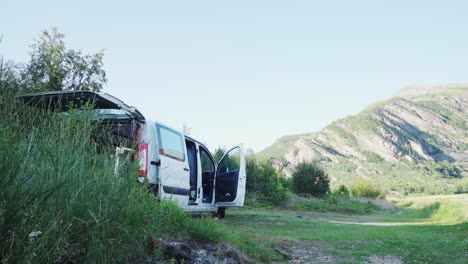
<point>265,183</point>
<point>310,179</point>
<point>362,188</point>
<point>342,191</point>
<point>460,188</point>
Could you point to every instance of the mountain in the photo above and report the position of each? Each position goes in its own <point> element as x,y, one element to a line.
<point>416,141</point>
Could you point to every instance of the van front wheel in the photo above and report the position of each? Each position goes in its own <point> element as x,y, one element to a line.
<point>220,213</point>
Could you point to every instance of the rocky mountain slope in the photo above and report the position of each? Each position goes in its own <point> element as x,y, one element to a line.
<point>416,141</point>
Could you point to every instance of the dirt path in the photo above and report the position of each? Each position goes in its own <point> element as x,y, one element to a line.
<point>306,251</point>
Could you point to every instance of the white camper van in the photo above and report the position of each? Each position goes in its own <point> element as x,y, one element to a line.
<point>177,167</point>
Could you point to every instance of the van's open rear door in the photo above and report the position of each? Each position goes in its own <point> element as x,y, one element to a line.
<point>230,179</point>
<point>63,100</point>
<point>120,122</point>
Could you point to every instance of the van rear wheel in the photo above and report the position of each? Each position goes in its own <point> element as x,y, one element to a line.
<point>221,212</point>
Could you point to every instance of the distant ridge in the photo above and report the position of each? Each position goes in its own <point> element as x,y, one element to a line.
<point>416,141</point>
<point>425,91</point>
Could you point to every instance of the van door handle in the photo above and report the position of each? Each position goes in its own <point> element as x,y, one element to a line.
<point>156,163</point>
<point>185,169</point>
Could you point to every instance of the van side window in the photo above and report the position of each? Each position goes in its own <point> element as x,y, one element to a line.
<point>206,162</point>
<point>171,143</point>
<point>230,162</point>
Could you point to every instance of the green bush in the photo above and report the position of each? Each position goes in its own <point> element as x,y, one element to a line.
<point>460,188</point>
<point>310,179</point>
<point>362,188</point>
<point>342,191</point>
<point>265,183</point>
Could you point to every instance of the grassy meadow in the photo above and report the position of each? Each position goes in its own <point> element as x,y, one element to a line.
<point>423,230</point>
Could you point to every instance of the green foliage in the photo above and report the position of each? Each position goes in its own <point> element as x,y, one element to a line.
<point>461,187</point>
<point>448,170</point>
<point>463,147</point>
<point>331,203</point>
<point>449,211</point>
<point>345,166</point>
<point>218,154</point>
<point>342,191</point>
<point>265,183</point>
<point>349,137</point>
<point>53,67</point>
<point>362,188</point>
<point>231,161</point>
<point>428,211</point>
<point>441,209</point>
<point>452,118</point>
<point>310,179</point>
<point>373,157</point>
<point>9,80</point>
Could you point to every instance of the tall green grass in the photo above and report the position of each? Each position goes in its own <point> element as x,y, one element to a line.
<point>331,203</point>
<point>54,180</point>
<point>451,209</point>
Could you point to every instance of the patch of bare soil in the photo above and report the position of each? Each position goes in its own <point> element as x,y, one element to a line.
<point>191,251</point>
<point>296,252</point>
<point>305,252</point>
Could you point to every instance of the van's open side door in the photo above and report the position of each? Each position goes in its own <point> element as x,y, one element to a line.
<point>230,178</point>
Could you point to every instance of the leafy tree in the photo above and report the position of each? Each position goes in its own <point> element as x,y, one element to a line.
<point>231,161</point>
<point>52,67</point>
<point>253,175</point>
<point>264,182</point>
<point>218,154</point>
<point>310,179</point>
<point>9,80</point>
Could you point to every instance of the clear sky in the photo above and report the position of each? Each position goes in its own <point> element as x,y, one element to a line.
<point>252,71</point>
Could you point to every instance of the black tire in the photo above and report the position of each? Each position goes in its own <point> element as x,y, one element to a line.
<point>221,212</point>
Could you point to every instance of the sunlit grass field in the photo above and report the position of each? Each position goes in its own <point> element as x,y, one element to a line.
<point>424,230</point>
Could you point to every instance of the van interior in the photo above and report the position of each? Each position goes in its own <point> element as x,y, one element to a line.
<point>207,172</point>
<point>115,131</point>
<point>117,124</point>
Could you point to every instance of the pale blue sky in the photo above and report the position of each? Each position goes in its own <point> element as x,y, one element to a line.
<point>253,71</point>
